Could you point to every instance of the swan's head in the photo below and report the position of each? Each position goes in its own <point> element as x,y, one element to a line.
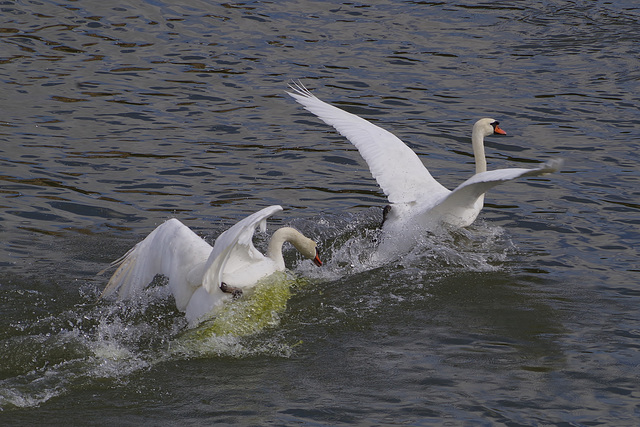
<point>307,247</point>
<point>488,127</point>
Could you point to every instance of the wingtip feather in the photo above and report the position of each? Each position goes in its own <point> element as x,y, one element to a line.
<point>551,166</point>
<point>299,89</point>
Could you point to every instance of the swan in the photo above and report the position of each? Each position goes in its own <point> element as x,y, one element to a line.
<point>417,201</point>
<point>202,278</point>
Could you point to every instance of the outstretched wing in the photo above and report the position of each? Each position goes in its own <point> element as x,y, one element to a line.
<point>397,169</point>
<point>235,246</point>
<point>172,250</point>
<point>464,197</point>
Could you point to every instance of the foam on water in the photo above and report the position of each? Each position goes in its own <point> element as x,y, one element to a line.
<point>352,245</point>
<point>106,341</point>
<point>94,344</point>
<point>110,341</point>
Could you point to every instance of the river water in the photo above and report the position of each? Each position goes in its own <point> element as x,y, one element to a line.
<point>118,116</point>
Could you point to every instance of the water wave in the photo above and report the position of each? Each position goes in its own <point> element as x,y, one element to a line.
<point>102,342</point>
<point>106,342</point>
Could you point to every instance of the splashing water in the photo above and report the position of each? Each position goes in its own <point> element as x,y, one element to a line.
<point>351,248</point>
<point>105,343</point>
<point>87,344</point>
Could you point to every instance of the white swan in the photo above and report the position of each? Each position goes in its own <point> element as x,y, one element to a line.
<point>418,201</point>
<point>200,277</point>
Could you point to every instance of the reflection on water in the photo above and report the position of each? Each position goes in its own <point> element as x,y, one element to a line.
<point>117,117</point>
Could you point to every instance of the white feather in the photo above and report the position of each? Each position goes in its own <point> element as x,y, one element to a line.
<point>418,201</point>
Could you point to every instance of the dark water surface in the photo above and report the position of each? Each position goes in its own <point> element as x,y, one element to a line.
<point>118,115</point>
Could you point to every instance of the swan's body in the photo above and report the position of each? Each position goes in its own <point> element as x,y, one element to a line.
<point>418,201</point>
<point>201,277</point>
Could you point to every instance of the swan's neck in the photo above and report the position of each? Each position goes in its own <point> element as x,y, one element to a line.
<point>477,142</point>
<point>284,234</point>
<point>274,251</point>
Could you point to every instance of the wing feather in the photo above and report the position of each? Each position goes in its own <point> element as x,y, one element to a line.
<point>172,250</point>
<point>236,243</point>
<point>464,197</point>
<point>397,169</point>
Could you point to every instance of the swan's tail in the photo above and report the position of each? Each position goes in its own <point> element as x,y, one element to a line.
<point>123,275</point>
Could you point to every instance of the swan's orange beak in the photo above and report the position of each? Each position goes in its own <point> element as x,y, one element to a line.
<point>317,260</point>
<point>499,131</point>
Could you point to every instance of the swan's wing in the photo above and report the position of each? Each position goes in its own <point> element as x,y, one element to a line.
<point>172,249</point>
<point>466,194</point>
<point>397,169</point>
<point>235,246</point>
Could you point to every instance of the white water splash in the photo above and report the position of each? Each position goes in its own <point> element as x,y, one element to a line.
<point>353,246</point>
<point>107,342</point>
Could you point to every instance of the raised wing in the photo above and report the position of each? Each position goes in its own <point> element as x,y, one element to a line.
<point>464,197</point>
<point>172,250</point>
<point>235,246</point>
<point>397,169</point>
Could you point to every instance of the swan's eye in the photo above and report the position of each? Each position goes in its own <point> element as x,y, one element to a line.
<point>494,124</point>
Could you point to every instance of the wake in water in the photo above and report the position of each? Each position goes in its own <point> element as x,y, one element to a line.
<point>350,244</point>
<point>84,345</point>
<point>102,344</point>
<point>353,286</point>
